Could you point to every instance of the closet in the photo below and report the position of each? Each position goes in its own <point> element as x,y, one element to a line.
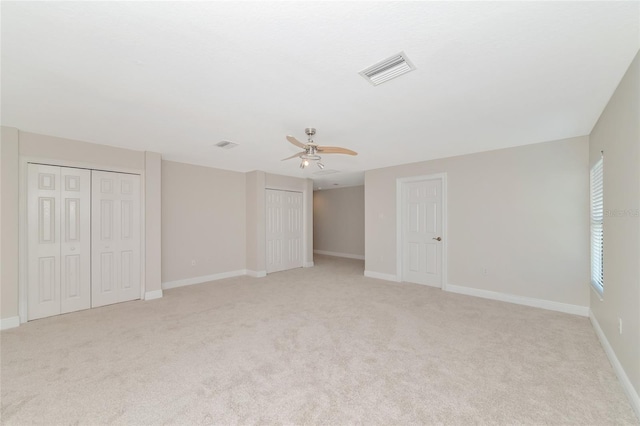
<point>284,230</point>
<point>83,239</point>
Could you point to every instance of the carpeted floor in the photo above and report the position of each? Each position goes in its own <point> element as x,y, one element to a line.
<point>322,345</point>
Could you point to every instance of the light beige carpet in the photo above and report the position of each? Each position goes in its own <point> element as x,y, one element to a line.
<point>322,345</point>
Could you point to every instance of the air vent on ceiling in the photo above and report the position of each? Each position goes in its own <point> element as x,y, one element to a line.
<point>388,69</point>
<point>325,172</point>
<point>226,144</point>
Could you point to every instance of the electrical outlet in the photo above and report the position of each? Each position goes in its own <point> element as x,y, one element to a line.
<point>485,271</point>
<point>620,325</point>
<point>193,262</point>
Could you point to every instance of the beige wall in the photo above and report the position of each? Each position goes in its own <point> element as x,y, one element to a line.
<point>617,133</point>
<point>48,147</point>
<point>256,259</point>
<point>338,221</point>
<point>203,219</point>
<point>9,152</point>
<point>521,213</point>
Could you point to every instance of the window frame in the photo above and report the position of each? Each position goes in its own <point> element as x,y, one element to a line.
<point>596,225</point>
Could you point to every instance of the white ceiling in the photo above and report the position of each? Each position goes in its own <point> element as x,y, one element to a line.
<point>178,77</point>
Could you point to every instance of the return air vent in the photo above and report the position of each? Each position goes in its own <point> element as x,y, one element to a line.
<point>325,172</point>
<point>226,144</point>
<point>388,69</point>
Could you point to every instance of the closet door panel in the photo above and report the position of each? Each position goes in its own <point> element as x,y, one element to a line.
<point>129,256</point>
<point>43,240</point>
<point>75,240</point>
<point>116,268</point>
<point>104,241</point>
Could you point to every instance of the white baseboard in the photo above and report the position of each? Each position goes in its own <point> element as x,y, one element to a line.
<point>11,322</point>
<point>583,311</point>
<point>152,295</point>
<point>380,276</point>
<point>256,274</point>
<point>632,394</point>
<point>335,254</point>
<point>307,265</point>
<point>202,279</point>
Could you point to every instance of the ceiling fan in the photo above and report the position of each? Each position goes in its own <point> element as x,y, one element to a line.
<point>311,149</point>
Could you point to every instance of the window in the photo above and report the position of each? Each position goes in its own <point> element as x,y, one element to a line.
<point>597,218</point>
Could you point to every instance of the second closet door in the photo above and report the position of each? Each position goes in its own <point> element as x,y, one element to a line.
<point>284,230</point>
<point>115,252</point>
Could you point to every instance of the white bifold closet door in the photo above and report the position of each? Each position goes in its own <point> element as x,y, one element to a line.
<point>59,240</point>
<point>284,230</point>
<point>115,251</point>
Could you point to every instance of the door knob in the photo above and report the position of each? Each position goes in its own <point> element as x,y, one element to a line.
<point>437,239</point>
<point>73,248</point>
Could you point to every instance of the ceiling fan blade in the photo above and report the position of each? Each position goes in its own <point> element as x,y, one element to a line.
<point>294,156</point>
<point>335,150</point>
<point>295,141</point>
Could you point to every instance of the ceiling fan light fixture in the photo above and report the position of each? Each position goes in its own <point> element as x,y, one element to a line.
<point>310,150</point>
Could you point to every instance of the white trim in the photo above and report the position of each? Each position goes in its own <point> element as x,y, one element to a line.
<point>308,265</point>
<point>381,276</point>
<point>632,394</point>
<point>336,254</point>
<point>550,305</point>
<point>256,274</point>
<point>399,182</point>
<point>202,279</point>
<point>11,322</point>
<point>152,295</point>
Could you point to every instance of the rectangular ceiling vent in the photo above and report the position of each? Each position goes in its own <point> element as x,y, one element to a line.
<point>325,172</point>
<point>226,144</point>
<point>388,69</point>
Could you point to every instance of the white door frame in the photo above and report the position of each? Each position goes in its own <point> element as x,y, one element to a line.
<point>399,216</point>
<point>23,254</point>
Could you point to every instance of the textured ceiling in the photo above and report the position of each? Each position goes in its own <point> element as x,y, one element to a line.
<point>178,77</point>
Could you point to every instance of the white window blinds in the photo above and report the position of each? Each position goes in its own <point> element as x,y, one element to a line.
<point>597,218</point>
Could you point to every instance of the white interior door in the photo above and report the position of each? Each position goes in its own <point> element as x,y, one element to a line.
<point>274,230</point>
<point>284,230</point>
<point>75,239</point>
<point>59,236</point>
<point>293,230</point>
<point>115,223</point>
<point>43,240</point>
<point>422,232</point>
